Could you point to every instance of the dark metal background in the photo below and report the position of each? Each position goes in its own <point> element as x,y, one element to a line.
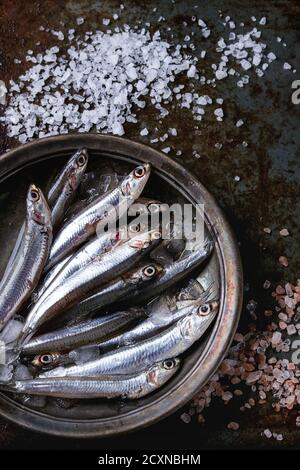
<point>266,196</point>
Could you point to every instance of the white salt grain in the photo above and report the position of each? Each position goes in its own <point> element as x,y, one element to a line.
<point>144,131</point>
<point>268,433</point>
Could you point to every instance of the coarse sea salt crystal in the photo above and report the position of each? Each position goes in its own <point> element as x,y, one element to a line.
<point>287,66</point>
<point>246,64</point>
<point>220,74</point>
<point>118,129</point>
<point>271,56</point>
<point>192,71</point>
<point>106,21</point>
<point>166,149</point>
<point>239,123</point>
<point>219,112</point>
<point>144,131</point>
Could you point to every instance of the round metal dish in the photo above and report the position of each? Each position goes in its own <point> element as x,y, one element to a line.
<point>35,162</point>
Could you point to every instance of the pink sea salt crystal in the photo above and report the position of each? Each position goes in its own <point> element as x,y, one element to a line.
<point>233,426</point>
<point>291,330</point>
<point>283,261</point>
<point>276,338</point>
<point>253,377</point>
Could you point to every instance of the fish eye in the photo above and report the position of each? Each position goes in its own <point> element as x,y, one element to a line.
<point>169,364</point>
<point>34,195</point>
<point>46,359</point>
<point>139,172</point>
<point>81,160</point>
<point>204,309</point>
<point>156,235</point>
<point>149,271</point>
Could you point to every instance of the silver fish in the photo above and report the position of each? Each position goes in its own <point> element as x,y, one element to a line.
<point>100,270</point>
<point>125,285</point>
<point>157,320</point>
<point>132,386</point>
<point>59,197</point>
<point>74,336</point>
<point>98,214</point>
<point>28,265</point>
<point>169,343</point>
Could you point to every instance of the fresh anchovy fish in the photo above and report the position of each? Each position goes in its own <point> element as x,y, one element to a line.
<point>60,181</point>
<point>174,272</point>
<point>99,213</point>
<point>96,247</point>
<point>132,386</point>
<point>27,267</point>
<point>125,285</point>
<point>59,197</point>
<point>50,276</point>
<point>64,188</point>
<point>169,343</point>
<point>74,336</point>
<point>89,278</point>
<point>153,324</point>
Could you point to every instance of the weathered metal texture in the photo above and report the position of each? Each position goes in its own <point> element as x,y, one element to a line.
<point>224,269</point>
<point>266,196</point>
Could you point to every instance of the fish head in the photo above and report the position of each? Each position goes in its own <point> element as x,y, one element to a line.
<point>37,206</point>
<point>133,184</point>
<point>78,165</point>
<point>198,320</point>
<point>161,372</point>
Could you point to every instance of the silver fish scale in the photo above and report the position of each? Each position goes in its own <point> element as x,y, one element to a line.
<point>50,276</point>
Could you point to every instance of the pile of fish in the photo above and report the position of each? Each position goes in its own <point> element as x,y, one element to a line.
<point>87,312</point>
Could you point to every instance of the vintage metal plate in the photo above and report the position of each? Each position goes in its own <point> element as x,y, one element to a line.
<point>37,162</point>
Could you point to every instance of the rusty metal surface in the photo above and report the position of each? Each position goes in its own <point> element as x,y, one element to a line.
<point>266,196</point>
